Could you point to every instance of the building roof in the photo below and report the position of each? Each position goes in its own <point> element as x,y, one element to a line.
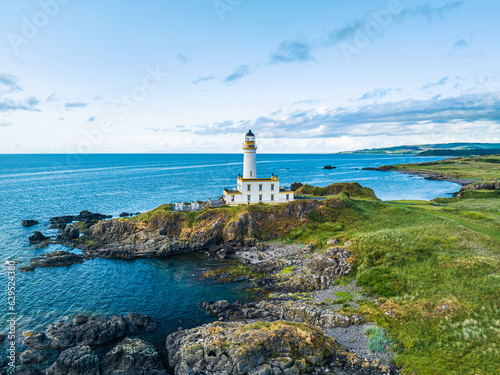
<point>249,134</point>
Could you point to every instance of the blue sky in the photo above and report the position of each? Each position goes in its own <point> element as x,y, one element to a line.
<point>194,76</point>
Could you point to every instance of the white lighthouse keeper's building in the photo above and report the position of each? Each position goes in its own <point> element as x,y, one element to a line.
<point>251,189</point>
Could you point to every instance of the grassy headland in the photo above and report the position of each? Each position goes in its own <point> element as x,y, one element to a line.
<point>482,168</point>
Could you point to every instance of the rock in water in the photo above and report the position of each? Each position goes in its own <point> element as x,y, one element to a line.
<point>79,360</point>
<point>29,223</point>
<point>95,330</point>
<point>70,232</point>
<point>37,238</point>
<point>328,167</point>
<point>131,357</point>
<point>38,340</point>
<point>55,259</point>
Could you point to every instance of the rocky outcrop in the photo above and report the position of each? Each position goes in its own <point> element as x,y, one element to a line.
<point>95,331</point>
<point>55,259</point>
<point>69,233</point>
<point>38,340</point>
<point>31,356</point>
<point>479,186</point>
<point>132,357</point>
<point>261,348</point>
<point>172,233</point>
<point>332,263</point>
<point>79,360</point>
<point>38,238</point>
<point>86,217</point>
<point>329,167</point>
<point>274,310</point>
<point>29,223</point>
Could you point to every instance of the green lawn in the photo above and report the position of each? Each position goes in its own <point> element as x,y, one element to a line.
<point>484,168</point>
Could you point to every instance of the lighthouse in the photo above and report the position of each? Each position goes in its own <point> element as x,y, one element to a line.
<point>250,189</point>
<point>249,156</point>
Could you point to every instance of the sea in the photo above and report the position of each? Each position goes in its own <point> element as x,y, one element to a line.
<point>170,290</point>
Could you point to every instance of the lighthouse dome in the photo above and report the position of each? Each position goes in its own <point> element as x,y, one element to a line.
<point>250,134</point>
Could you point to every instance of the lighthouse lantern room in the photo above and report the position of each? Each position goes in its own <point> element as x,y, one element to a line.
<point>251,189</point>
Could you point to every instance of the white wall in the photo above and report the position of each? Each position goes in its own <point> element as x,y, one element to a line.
<point>249,164</point>
<point>254,193</point>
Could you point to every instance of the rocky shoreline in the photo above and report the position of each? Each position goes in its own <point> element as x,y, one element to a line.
<point>289,331</point>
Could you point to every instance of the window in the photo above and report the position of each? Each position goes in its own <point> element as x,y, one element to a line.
<point>260,197</point>
<point>272,197</point>
<point>272,186</point>
<point>251,173</point>
<point>248,197</point>
<point>249,187</point>
<point>232,198</point>
<point>287,196</point>
<point>260,187</point>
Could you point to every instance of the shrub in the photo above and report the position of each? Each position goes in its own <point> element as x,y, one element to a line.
<point>377,341</point>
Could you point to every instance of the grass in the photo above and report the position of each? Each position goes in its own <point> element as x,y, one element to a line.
<point>476,167</point>
<point>354,190</point>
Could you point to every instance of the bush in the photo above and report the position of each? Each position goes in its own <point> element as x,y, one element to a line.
<point>377,341</point>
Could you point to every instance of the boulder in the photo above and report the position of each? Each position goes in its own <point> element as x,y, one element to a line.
<point>29,223</point>
<point>37,238</point>
<point>95,330</point>
<point>31,356</point>
<point>38,340</point>
<point>79,360</point>
<point>137,321</point>
<point>70,232</point>
<point>132,357</point>
<point>328,167</point>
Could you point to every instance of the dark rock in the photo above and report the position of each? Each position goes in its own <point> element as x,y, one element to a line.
<point>31,356</point>
<point>29,223</point>
<point>296,185</point>
<point>95,331</point>
<point>125,214</point>
<point>37,238</point>
<point>70,232</point>
<point>85,216</point>
<point>137,321</point>
<point>38,340</point>
<point>132,357</point>
<point>26,371</point>
<point>79,360</point>
<point>55,259</point>
<point>329,167</point>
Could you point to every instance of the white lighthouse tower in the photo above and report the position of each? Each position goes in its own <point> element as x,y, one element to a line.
<point>251,189</point>
<point>249,156</point>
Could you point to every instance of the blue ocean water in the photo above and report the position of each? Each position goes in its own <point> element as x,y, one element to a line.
<point>42,186</point>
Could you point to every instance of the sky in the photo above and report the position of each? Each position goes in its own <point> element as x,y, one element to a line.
<point>318,76</point>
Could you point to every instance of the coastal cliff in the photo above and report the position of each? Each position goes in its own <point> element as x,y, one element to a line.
<point>161,233</point>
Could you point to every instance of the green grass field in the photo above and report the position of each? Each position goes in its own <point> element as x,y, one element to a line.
<point>484,168</point>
